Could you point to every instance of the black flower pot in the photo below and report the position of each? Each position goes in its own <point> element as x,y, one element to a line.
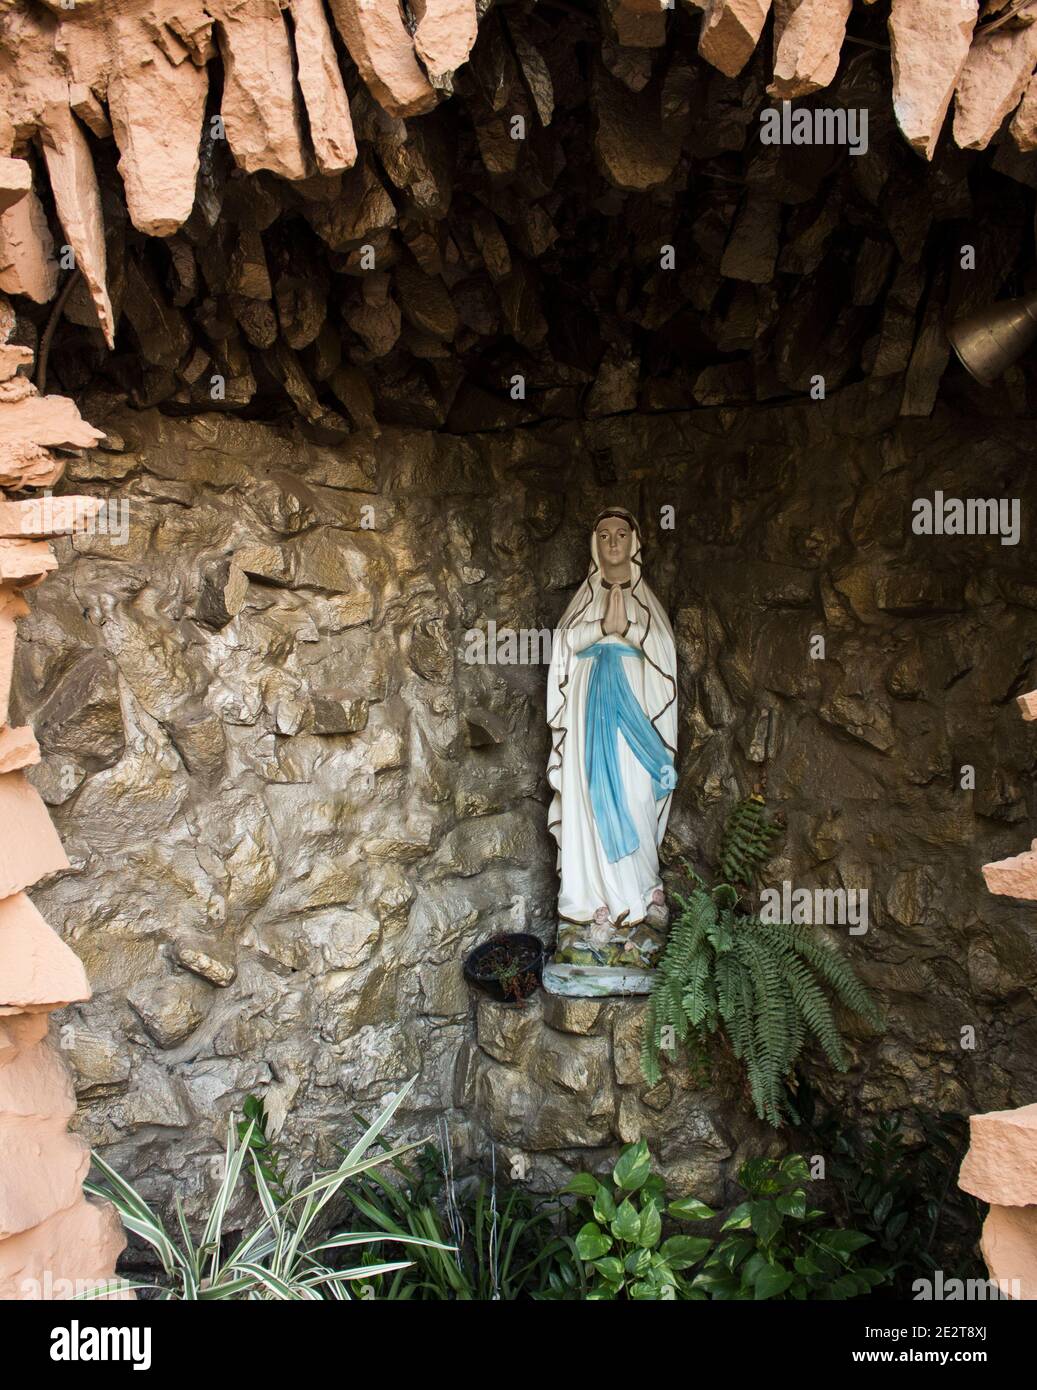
<point>508,968</point>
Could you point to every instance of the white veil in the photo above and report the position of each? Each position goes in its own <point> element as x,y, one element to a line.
<point>658,673</point>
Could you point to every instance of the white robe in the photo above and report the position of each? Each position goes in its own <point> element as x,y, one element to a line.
<point>588,881</point>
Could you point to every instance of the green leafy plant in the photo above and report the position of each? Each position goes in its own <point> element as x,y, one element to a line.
<point>484,1244</point>
<point>901,1191</point>
<point>254,1133</point>
<point>762,985</point>
<point>772,1246</point>
<point>621,1246</point>
<point>284,1255</point>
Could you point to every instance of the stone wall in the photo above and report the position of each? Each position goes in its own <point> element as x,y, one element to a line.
<point>291,806</point>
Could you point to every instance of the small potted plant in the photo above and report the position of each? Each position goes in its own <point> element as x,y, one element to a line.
<point>507,968</point>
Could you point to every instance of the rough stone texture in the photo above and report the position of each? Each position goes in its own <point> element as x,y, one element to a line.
<point>38,971</point>
<point>77,199</point>
<point>46,1228</point>
<point>324,92</point>
<point>557,1086</point>
<point>1015,877</point>
<point>730,32</point>
<point>156,98</point>
<point>994,78</point>
<point>335,880</point>
<point>1001,1164</point>
<point>808,38</point>
<point>929,43</point>
<point>1008,1245</point>
<point>63,1254</point>
<point>381,47</point>
<point>259,107</point>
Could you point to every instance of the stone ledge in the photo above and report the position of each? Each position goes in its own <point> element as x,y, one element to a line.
<point>558,1086</point>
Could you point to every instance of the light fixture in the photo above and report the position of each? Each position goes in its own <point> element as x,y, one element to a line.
<point>991,340</point>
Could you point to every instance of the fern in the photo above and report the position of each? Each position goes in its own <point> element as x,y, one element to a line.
<point>766,986</point>
<point>746,843</point>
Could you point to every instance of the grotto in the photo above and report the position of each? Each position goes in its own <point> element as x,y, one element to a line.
<point>330,333</point>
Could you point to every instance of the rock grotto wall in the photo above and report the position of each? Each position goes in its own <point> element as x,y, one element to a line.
<point>291,806</point>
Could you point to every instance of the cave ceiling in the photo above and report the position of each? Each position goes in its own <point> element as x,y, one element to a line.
<point>472,217</point>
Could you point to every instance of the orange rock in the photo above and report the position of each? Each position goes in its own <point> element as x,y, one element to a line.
<point>25,562</point>
<point>47,420</point>
<point>13,356</point>
<point>1008,1245</point>
<point>48,516</point>
<point>1023,129</point>
<point>730,31</point>
<point>994,78</point>
<point>24,464</point>
<point>19,1031</point>
<point>929,44</point>
<point>30,848</point>
<point>381,47</point>
<point>42,1166</point>
<point>1028,704</point>
<point>81,1243</point>
<point>18,748</point>
<point>27,264</point>
<point>15,181</point>
<point>78,202</point>
<point>157,108</point>
<point>12,607</point>
<point>808,40</point>
<point>38,972</point>
<point>444,37</point>
<point>259,108</point>
<point>1001,1164</point>
<point>1015,877</point>
<point>35,1085</point>
<point>324,92</point>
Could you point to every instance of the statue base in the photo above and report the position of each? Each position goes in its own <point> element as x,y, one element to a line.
<point>595,981</point>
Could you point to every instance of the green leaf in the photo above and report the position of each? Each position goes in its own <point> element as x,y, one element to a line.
<point>592,1242</point>
<point>604,1205</point>
<point>690,1209</point>
<point>681,1252</point>
<point>627,1224</point>
<point>582,1185</point>
<point>638,1262</point>
<point>842,1242</point>
<point>739,1220</point>
<point>651,1226</point>
<point>771,1281</point>
<point>633,1166</point>
<point>793,1204</point>
<point>882,1208</point>
<point>610,1268</point>
<point>766,1220</point>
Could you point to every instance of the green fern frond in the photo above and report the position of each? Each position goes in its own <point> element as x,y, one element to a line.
<point>746,842</point>
<point>765,984</point>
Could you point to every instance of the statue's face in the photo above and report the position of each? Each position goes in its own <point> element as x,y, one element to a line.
<point>615,542</point>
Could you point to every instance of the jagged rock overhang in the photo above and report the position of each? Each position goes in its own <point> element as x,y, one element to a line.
<point>507,279</point>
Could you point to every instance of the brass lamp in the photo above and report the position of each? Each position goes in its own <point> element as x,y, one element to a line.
<point>989,341</point>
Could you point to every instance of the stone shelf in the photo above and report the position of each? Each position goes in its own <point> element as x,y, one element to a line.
<point>557,1086</point>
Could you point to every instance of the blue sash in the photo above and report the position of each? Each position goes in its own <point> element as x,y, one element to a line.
<point>612,709</point>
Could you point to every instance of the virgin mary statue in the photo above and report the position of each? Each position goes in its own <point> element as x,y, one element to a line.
<point>612,709</point>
